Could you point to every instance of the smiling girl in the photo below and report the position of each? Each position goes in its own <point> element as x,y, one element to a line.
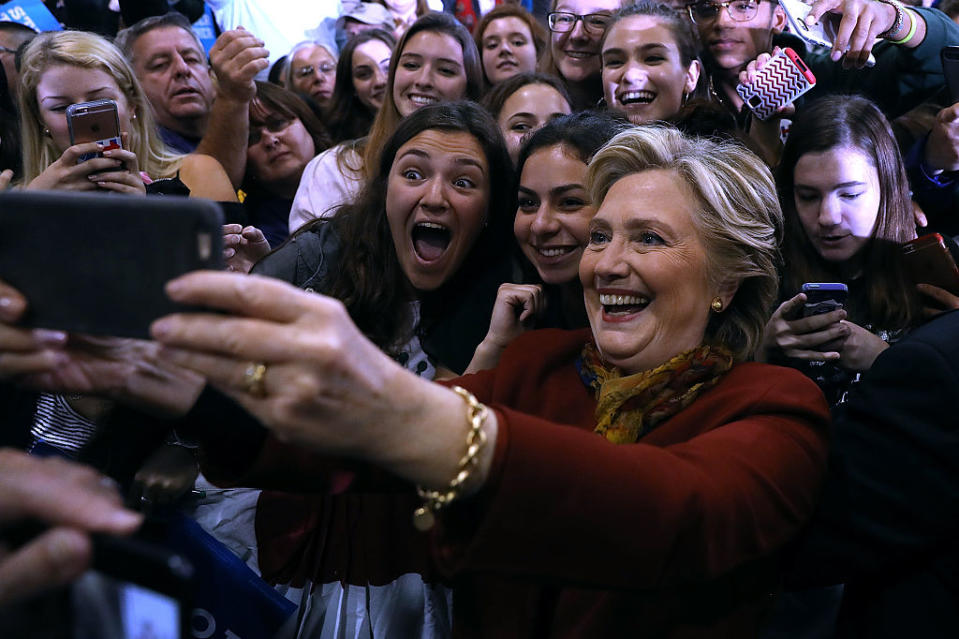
<point>435,61</point>
<point>510,40</point>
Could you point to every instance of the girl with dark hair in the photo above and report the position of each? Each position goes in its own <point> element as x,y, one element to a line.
<point>360,84</point>
<point>650,62</point>
<point>510,41</point>
<point>845,198</point>
<point>524,103</point>
<point>284,136</point>
<point>553,210</point>
<point>435,61</point>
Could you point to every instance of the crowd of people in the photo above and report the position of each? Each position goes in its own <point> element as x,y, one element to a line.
<point>513,336</point>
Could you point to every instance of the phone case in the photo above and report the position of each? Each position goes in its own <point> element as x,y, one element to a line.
<point>824,297</point>
<point>96,121</point>
<point>97,263</point>
<point>783,79</point>
<point>928,261</point>
<point>796,12</point>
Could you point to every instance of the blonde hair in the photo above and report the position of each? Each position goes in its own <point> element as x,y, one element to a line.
<point>738,217</point>
<point>87,51</point>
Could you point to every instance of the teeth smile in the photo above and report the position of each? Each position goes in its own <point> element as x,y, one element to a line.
<point>623,300</point>
<point>554,252</point>
<point>637,96</point>
<point>423,100</point>
<point>579,54</point>
<point>431,225</point>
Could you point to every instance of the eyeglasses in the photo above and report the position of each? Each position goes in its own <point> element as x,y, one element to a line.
<point>326,69</point>
<point>7,50</point>
<point>563,22</point>
<point>738,10</point>
<point>273,125</point>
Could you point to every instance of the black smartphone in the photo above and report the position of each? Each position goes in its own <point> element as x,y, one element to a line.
<point>96,121</point>
<point>97,263</point>
<point>135,589</point>
<point>950,68</point>
<point>928,261</point>
<point>824,297</point>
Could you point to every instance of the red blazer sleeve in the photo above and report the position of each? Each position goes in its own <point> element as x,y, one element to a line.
<point>728,480</point>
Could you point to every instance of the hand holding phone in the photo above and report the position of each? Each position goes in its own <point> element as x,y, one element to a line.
<point>807,337</point>
<point>823,297</point>
<point>779,82</point>
<point>821,30</point>
<point>928,261</point>
<point>97,121</point>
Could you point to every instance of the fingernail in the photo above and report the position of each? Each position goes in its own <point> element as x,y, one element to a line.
<point>174,288</point>
<point>160,328</point>
<point>123,519</point>
<point>46,336</point>
<point>834,56</point>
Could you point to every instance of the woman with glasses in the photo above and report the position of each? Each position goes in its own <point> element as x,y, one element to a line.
<point>576,30</point>
<point>284,137</point>
<point>311,72</point>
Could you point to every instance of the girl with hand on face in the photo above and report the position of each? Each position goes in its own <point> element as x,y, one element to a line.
<point>66,67</point>
<point>360,84</point>
<point>510,41</point>
<point>435,61</point>
<point>553,212</point>
<point>524,103</point>
<point>846,201</point>
<point>284,137</point>
<point>576,30</point>
<point>650,63</point>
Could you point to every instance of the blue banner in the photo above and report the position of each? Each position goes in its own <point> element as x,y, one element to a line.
<point>32,13</point>
<point>205,30</point>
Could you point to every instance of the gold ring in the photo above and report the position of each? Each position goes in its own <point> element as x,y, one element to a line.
<point>253,379</point>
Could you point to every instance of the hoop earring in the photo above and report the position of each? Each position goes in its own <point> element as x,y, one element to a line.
<point>716,305</point>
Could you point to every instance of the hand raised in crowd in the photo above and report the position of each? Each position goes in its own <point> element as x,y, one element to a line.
<point>766,133</point>
<point>859,24</point>
<point>236,57</point>
<point>515,311</point>
<point>942,148</point>
<point>126,370</point>
<point>116,171</point>
<point>814,338</point>
<point>941,300</point>
<point>243,247</point>
<point>73,500</point>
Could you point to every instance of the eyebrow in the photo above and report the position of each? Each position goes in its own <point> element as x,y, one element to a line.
<point>67,97</point>
<point>841,185</point>
<point>556,190</point>
<point>426,156</point>
<point>421,56</point>
<point>651,45</point>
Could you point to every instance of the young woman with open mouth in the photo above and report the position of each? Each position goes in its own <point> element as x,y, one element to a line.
<point>649,62</point>
<point>553,211</point>
<point>435,61</point>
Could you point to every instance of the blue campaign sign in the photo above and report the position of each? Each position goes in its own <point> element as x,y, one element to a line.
<point>29,12</point>
<point>204,29</point>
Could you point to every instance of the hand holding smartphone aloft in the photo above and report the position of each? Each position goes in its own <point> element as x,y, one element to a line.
<point>822,33</point>
<point>824,297</point>
<point>780,81</point>
<point>98,264</point>
<point>97,121</point>
<point>928,261</point>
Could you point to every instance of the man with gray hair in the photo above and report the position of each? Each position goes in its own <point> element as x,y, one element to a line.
<point>194,112</point>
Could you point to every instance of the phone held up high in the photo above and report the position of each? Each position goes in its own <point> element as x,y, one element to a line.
<point>96,121</point>
<point>821,34</point>
<point>824,297</point>
<point>950,68</point>
<point>783,79</point>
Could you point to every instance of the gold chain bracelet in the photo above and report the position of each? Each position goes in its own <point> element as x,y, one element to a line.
<point>436,500</point>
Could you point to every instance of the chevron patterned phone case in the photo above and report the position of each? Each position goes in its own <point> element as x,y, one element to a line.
<point>783,79</point>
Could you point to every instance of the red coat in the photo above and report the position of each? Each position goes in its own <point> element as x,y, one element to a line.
<point>572,536</point>
<point>674,536</point>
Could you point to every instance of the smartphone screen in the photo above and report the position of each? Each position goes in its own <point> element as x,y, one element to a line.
<point>95,121</point>
<point>823,297</point>
<point>108,608</point>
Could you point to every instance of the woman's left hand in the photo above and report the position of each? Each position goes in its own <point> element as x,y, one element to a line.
<point>243,247</point>
<point>860,349</point>
<point>125,179</point>
<point>296,361</point>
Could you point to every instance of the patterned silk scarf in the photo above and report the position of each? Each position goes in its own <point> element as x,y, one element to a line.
<point>629,407</point>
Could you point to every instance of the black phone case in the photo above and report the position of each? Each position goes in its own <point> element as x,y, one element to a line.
<point>98,263</point>
<point>950,68</point>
